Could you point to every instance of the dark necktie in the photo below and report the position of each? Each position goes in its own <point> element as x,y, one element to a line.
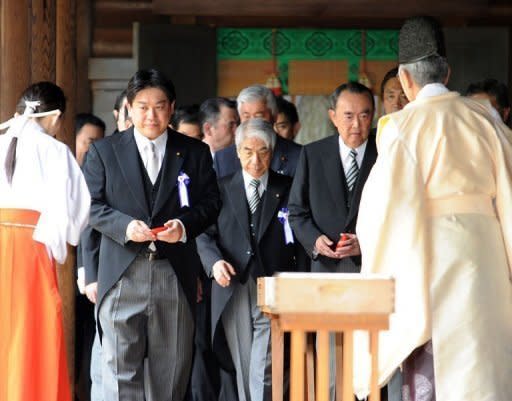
<point>353,171</point>
<point>10,160</point>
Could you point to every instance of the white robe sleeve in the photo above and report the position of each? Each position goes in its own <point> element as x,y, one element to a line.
<point>503,160</point>
<point>66,212</point>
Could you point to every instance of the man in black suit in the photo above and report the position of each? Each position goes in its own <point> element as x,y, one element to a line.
<point>257,101</point>
<point>248,241</point>
<point>331,173</point>
<point>324,199</point>
<point>149,177</point>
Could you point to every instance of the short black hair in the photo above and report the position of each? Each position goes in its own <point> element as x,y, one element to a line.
<point>389,75</point>
<point>185,115</point>
<point>87,118</point>
<point>209,111</point>
<point>288,109</point>
<point>119,100</point>
<point>492,87</point>
<point>50,96</point>
<point>152,78</point>
<point>352,87</point>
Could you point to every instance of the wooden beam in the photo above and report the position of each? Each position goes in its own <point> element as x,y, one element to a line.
<point>319,8</point>
<point>15,70</point>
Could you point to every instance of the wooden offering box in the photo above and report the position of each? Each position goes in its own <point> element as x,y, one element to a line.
<point>324,303</point>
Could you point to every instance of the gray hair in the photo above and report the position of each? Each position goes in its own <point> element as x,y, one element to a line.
<point>433,69</point>
<point>257,93</point>
<point>256,128</point>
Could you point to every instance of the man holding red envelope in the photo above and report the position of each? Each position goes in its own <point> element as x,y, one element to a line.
<point>153,191</point>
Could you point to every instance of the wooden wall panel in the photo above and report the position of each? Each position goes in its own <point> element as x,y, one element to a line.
<point>234,75</point>
<point>316,77</point>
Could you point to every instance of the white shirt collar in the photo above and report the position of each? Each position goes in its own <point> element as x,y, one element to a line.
<point>345,153</point>
<point>142,142</point>
<point>247,180</point>
<point>431,90</point>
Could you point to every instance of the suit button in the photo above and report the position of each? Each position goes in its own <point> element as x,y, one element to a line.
<point>249,253</point>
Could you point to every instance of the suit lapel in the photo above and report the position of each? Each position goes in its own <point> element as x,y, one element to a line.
<point>279,157</point>
<point>334,171</point>
<point>127,155</point>
<point>274,194</point>
<point>238,199</point>
<point>174,156</point>
<point>370,155</point>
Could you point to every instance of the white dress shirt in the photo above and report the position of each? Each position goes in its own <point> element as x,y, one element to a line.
<point>346,159</point>
<point>143,142</point>
<point>247,184</point>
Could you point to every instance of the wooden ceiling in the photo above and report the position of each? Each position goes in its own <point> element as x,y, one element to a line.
<point>112,19</point>
<point>372,13</point>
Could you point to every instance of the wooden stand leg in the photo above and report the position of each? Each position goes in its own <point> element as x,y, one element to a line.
<point>277,360</point>
<point>348,356</point>
<point>322,366</point>
<point>339,366</point>
<point>310,368</point>
<point>374,350</point>
<point>297,366</point>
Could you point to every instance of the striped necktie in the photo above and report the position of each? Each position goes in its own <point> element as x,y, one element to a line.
<point>254,195</point>
<point>353,171</point>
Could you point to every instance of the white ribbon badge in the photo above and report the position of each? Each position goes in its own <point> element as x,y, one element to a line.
<point>183,182</point>
<point>282,215</point>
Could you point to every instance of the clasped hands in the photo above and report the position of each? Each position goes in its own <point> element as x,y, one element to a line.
<point>344,248</point>
<point>138,231</point>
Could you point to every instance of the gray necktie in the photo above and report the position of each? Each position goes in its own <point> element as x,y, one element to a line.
<point>10,160</point>
<point>353,171</point>
<point>152,165</point>
<point>254,195</point>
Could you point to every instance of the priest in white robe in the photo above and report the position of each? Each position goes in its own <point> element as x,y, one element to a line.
<point>436,214</point>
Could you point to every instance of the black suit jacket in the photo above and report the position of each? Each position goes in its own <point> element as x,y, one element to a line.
<point>284,159</point>
<point>115,180</point>
<point>229,239</point>
<point>319,202</point>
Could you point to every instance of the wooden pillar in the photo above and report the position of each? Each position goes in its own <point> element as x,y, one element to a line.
<point>66,62</point>
<point>42,25</point>
<point>83,53</point>
<point>15,45</point>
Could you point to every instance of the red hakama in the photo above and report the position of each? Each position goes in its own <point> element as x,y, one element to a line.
<point>33,364</point>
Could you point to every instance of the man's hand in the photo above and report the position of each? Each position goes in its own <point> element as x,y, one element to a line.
<point>138,231</point>
<point>222,272</point>
<point>323,247</point>
<point>91,291</point>
<point>173,233</point>
<point>348,247</point>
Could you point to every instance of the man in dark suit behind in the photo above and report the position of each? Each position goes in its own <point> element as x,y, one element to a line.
<point>149,177</point>
<point>248,241</point>
<point>257,101</point>
<point>324,199</point>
